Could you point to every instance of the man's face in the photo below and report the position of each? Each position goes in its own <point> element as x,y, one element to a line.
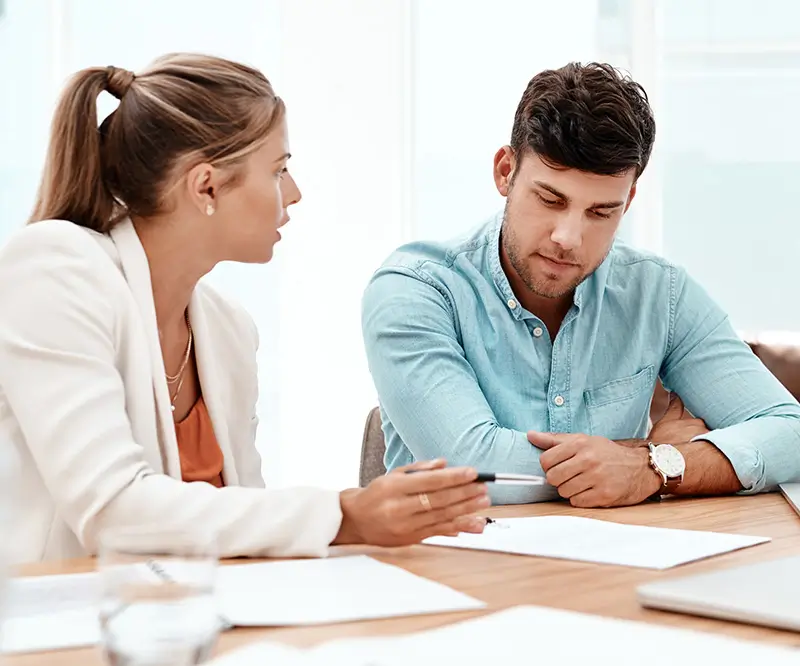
<point>559,224</point>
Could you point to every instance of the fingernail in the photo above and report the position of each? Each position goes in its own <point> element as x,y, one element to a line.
<point>485,501</point>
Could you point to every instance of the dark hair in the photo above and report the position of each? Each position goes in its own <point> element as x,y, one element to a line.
<point>185,109</point>
<point>587,117</point>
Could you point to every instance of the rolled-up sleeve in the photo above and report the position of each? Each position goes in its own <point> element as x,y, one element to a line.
<point>754,420</point>
<point>428,388</point>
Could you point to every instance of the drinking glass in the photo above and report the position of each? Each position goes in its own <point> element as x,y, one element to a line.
<point>157,604</point>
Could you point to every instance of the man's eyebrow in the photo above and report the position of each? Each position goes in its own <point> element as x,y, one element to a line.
<point>607,204</point>
<point>551,189</point>
<point>561,195</point>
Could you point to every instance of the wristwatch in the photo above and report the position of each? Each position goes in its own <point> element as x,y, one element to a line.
<point>669,464</point>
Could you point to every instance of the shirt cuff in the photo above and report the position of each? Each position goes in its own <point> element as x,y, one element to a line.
<point>735,443</point>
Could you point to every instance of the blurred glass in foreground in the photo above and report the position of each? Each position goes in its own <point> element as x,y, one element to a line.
<point>157,597</point>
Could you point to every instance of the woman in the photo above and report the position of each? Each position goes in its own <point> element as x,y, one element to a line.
<point>127,387</point>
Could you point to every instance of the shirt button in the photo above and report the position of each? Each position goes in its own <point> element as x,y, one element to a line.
<point>512,303</point>
<point>537,332</point>
<point>559,400</point>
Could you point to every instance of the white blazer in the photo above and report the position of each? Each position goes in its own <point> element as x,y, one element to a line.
<point>85,407</point>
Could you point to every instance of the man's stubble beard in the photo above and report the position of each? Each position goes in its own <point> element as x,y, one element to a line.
<point>543,288</point>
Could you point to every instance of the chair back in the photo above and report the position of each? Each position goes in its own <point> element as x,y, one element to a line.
<point>373,448</point>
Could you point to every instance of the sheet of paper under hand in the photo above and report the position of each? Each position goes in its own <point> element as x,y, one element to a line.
<point>336,589</point>
<point>528,634</point>
<point>601,541</point>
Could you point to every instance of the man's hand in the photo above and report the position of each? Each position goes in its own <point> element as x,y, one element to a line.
<point>594,471</point>
<point>677,426</point>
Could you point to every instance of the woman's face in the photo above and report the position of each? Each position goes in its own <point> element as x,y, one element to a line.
<point>249,213</point>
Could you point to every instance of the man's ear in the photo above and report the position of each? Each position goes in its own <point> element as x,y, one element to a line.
<point>505,164</point>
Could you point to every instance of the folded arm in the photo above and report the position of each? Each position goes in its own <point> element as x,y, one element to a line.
<point>754,421</point>
<point>427,387</point>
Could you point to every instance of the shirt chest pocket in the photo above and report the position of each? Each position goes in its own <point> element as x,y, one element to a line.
<point>619,409</point>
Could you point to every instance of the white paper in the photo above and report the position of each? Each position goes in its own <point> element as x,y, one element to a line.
<point>43,595</point>
<point>50,612</point>
<point>338,589</point>
<point>53,631</point>
<point>526,634</point>
<point>54,612</point>
<point>601,541</point>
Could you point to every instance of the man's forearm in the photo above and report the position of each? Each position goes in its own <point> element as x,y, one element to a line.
<point>708,471</point>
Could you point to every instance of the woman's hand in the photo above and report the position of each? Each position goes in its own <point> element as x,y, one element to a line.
<point>401,509</point>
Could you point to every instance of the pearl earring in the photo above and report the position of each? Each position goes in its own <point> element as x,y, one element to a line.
<point>210,209</point>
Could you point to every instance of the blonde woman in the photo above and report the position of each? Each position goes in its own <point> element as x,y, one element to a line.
<point>128,386</point>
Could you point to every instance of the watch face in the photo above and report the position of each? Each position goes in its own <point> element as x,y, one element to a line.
<point>669,460</point>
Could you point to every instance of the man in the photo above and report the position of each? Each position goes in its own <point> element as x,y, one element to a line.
<point>534,345</point>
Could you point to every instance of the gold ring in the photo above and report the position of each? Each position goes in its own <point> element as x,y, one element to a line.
<point>426,503</point>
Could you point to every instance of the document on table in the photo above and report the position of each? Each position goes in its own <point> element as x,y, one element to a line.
<point>523,633</point>
<point>50,612</point>
<point>601,541</point>
<point>56,612</point>
<point>336,589</point>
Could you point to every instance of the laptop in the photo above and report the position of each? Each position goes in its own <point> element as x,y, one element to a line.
<point>766,593</point>
<point>791,491</point>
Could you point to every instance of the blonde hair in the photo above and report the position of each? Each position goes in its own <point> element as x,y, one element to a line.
<point>183,110</point>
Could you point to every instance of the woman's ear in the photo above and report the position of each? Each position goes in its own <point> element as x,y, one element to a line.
<point>202,182</point>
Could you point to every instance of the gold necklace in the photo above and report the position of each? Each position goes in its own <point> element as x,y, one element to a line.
<point>171,379</point>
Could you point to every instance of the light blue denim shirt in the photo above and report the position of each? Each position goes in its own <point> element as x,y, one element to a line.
<point>463,371</point>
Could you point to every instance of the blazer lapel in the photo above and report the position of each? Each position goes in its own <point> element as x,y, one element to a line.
<point>208,372</point>
<point>137,273</point>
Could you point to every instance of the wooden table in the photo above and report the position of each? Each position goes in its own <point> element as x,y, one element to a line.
<point>503,580</point>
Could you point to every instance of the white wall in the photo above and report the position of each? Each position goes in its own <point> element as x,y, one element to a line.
<point>347,100</point>
<point>730,144</point>
<point>472,61</point>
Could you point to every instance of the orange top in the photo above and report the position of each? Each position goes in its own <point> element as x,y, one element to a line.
<point>201,457</point>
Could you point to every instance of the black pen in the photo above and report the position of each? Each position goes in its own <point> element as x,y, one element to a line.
<point>502,478</point>
<point>511,479</point>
